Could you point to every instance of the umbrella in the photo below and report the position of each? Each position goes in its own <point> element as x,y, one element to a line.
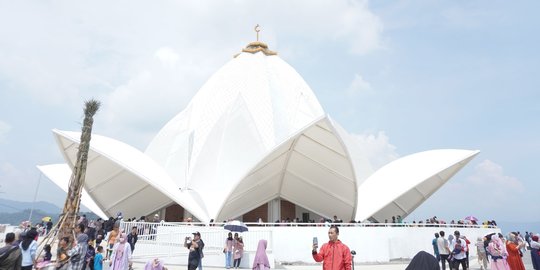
<point>235,226</point>
<point>46,219</point>
<point>471,218</point>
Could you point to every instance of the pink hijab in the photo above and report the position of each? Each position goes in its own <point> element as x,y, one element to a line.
<point>261,260</point>
<point>154,264</point>
<point>121,247</point>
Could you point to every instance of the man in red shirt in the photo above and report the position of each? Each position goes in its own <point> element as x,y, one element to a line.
<point>335,255</point>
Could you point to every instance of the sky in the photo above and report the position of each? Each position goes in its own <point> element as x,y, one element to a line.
<point>402,76</point>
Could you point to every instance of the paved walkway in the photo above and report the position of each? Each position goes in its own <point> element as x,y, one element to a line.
<point>401,265</point>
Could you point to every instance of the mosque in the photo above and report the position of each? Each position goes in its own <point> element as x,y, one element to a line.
<point>254,142</point>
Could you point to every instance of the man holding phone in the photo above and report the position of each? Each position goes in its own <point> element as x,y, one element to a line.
<point>335,255</point>
<point>194,250</point>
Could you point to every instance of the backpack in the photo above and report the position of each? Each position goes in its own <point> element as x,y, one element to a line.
<point>4,255</point>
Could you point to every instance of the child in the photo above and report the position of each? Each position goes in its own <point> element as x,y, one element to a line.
<point>98,259</point>
<point>90,253</point>
<point>46,260</point>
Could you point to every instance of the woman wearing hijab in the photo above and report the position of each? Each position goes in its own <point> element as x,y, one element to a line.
<point>261,260</point>
<point>481,252</point>
<point>28,249</point>
<point>228,250</point>
<point>497,251</point>
<point>238,252</point>
<point>121,255</point>
<point>155,264</point>
<point>513,246</point>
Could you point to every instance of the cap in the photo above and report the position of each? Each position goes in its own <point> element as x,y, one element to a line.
<point>197,233</point>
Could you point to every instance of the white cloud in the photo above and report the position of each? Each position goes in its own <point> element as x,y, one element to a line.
<point>362,26</point>
<point>490,175</point>
<point>487,194</point>
<point>167,56</point>
<point>61,51</point>
<point>10,174</point>
<point>5,128</point>
<point>359,86</point>
<point>377,148</point>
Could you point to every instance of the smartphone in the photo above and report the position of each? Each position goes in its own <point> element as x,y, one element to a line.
<point>315,241</point>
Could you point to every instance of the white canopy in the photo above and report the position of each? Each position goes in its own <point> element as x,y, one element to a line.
<point>402,185</point>
<point>120,178</point>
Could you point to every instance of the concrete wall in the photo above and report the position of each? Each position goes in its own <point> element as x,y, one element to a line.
<point>372,244</point>
<point>293,243</point>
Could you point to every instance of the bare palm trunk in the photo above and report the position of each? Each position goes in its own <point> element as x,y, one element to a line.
<point>67,221</point>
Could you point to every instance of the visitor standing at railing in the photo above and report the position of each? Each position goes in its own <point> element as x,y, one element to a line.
<point>459,249</point>
<point>194,250</point>
<point>481,253</point>
<point>238,251</point>
<point>132,238</point>
<point>444,250</point>
<point>200,242</point>
<point>228,249</point>
<point>28,248</point>
<point>335,255</point>
<point>153,228</point>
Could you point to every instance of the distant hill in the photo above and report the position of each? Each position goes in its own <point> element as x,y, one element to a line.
<point>9,206</point>
<point>14,212</point>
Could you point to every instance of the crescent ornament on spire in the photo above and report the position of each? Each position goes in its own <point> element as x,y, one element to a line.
<point>257,29</point>
<point>257,46</point>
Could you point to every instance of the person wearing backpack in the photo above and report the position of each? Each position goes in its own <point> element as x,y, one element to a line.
<point>459,252</point>
<point>10,254</point>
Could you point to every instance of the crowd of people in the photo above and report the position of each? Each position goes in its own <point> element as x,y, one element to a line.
<point>233,251</point>
<point>494,249</point>
<point>396,221</point>
<point>96,242</point>
<point>104,242</point>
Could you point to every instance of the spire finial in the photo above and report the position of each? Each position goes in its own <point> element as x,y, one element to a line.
<point>257,29</point>
<point>257,46</point>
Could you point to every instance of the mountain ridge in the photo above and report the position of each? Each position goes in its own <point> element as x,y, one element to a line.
<point>11,206</point>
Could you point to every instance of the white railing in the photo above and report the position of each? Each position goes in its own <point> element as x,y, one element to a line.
<point>167,239</point>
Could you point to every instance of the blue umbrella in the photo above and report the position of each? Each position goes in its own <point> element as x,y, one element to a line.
<point>235,226</point>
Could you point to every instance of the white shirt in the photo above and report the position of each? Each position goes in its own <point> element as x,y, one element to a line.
<point>442,244</point>
<point>462,254</point>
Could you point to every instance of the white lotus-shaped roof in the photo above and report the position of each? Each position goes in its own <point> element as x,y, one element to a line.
<point>253,133</point>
